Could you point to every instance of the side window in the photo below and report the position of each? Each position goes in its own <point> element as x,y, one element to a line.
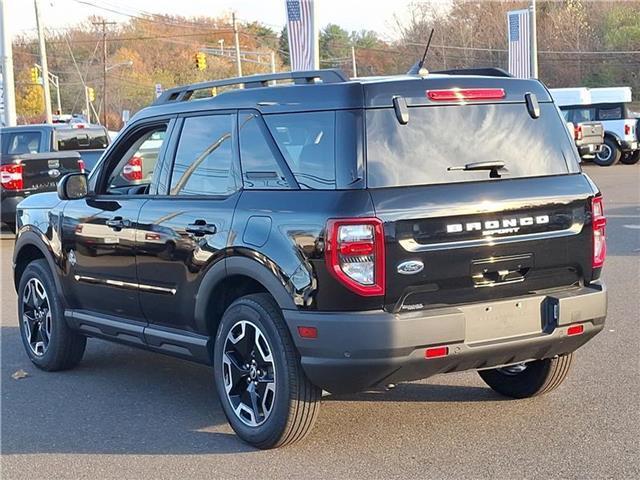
<point>136,166</point>
<point>307,141</point>
<point>204,158</point>
<point>614,113</point>
<point>260,169</point>
<point>23,143</point>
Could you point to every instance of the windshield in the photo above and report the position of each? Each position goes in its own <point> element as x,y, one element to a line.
<point>439,138</point>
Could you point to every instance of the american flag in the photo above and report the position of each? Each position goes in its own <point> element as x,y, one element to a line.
<point>519,43</point>
<point>303,38</point>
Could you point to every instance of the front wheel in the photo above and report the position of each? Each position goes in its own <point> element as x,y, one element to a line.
<point>265,395</point>
<point>630,158</point>
<point>528,379</point>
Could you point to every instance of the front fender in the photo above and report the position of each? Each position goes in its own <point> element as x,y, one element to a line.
<point>31,237</point>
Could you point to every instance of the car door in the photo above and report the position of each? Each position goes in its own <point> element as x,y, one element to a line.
<point>185,228</point>
<point>99,231</point>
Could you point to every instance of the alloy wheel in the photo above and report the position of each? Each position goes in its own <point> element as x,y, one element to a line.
<point>248,372</point>
<point>36,317</point>
<point>605,153</point>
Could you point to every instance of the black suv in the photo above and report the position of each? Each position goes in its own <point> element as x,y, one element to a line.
<point>325,233</point>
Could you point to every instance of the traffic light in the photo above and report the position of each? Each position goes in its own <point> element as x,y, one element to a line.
<point>35,75</point>
<point>91,94</point>
<point>201,61</point>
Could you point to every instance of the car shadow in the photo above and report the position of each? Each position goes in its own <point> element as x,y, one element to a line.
<point>122,400</point>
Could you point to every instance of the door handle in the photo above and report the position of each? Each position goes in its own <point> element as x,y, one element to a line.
<point>200,228</point>
<point>118,223</point>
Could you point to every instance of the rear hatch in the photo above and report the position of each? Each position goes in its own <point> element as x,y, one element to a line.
<point>589,133</point>
<point>460,230</point>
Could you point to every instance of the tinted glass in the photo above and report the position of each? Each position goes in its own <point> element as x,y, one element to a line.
<point>610,113</point>
<point>138,164</point>
<point>81,138</point>
<point>204,157</point>
<point>580,115</point>
<point>260,168</point>
<point>307,142</point>
<point>437,138</point>
<point>21,143</point>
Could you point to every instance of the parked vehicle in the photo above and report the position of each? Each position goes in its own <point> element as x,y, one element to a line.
<point>327,234</point>
<point>588,137</point>
<point>609,106</point>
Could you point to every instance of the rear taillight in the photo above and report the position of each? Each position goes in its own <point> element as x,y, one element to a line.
<point>81,166</point>
<point>577,132</point>
<point>628,129</point>
<point>132,171</point>
<point>355,254</point>
<point>11,176</point>
<point>456,94</point>
<point>598,224</point>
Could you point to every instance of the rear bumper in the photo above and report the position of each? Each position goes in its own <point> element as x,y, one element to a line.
<point>627,146</point>
<point>355,351</point>
<point>8,206</point>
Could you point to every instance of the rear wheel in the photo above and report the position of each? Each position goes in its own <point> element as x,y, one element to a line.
<point>630,158</point>
<point>528,379</point>
<point>265,395</point>
<point>50,344</point>
<point>609,153</point>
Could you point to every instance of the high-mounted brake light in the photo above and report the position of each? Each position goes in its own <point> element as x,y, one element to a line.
<point>457,94</point>
<point>598,224</point>
<point>132,171</point>
<point>81,165</point>
<point>355,254</point>
<point>11,176</point>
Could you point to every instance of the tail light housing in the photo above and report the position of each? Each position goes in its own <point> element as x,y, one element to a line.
<point>11,176</point>
<point>628,129</point>
<point>132,171</point>
<point>354,254</point>
<point>577,132</point>
<point>598,224</point>
<point>81,165</point>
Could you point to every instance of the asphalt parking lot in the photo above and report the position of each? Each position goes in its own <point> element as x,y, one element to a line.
<point>125,413</point>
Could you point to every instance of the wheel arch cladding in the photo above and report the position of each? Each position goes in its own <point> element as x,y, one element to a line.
<point>231,279</point>
<point>29,247</point>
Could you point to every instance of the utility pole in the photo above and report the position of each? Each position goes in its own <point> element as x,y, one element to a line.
<point>43,62</point>
<point>237,41</point>
<point>86,104</point>
<point>353,61</point>
<point>8,86</point>
<point>534,39</point>
<point>104,24</point>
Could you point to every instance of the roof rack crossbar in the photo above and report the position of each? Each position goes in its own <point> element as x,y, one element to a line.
<point>184,93</point>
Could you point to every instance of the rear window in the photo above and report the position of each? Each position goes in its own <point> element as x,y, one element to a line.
<point>438,138</point>
<point>307,142</point>
<point>20,143</point>
<point>81,139</point>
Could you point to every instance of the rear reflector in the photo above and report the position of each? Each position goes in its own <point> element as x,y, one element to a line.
<point>308,332</point>
<point>575,330</point>
<point>435,352</point>
<point>456,94</point>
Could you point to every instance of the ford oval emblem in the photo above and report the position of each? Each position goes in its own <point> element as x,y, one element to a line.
<point>410,267</point>
<point>54,173</point>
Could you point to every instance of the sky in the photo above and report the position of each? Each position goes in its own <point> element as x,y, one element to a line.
<point>375,15</point>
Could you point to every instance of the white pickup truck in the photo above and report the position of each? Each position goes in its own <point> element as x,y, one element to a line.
<point>611,107</point>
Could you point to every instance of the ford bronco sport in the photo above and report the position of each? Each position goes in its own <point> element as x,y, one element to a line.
<point>325,234</point>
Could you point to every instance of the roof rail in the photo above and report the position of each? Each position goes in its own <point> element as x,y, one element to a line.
<point>483,71</point>
<point>184,93</point>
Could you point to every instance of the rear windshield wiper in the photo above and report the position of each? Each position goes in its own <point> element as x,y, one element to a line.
<point>493,168</point>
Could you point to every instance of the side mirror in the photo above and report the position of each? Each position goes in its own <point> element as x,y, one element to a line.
<point>73,186</point>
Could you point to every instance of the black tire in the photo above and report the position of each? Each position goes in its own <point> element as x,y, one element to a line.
<point>64,347</point>
<point>609,154</point>
<point>295,402</point>
<point>630,158</point>
<point>537,378</point>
